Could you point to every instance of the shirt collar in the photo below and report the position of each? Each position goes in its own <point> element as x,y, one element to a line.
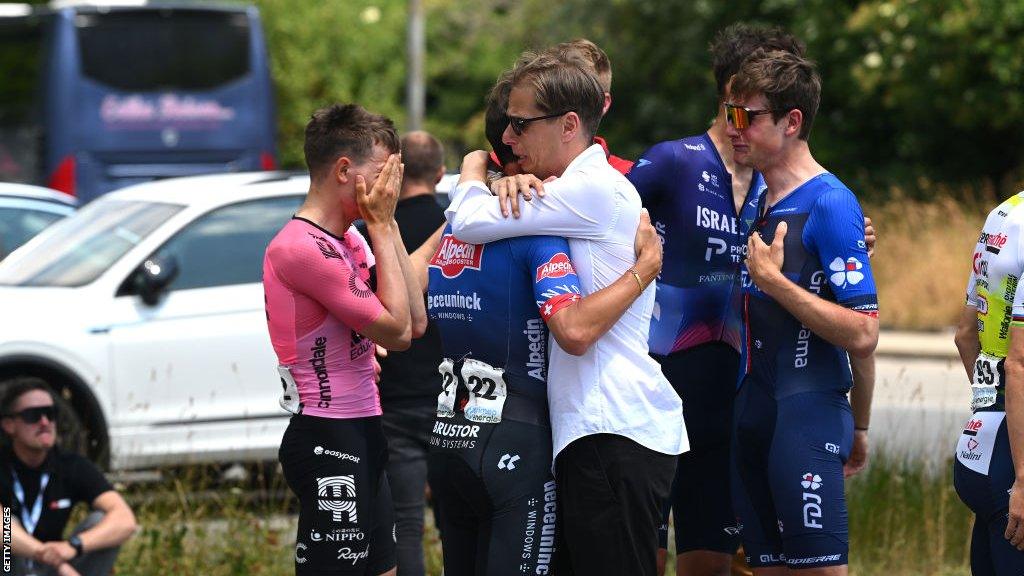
<point>590,156</point>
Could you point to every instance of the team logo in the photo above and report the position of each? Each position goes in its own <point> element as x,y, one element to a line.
<point>705,176</point>
<point>642,162</point>
<point>557,267</point>
<point>844,273</point>
<point>994,242</point>
<point>336,494</point>
<point>812,481</point>
<point>453,256</point>
<point>972,427</point>
<point>982,306</point>
<point>972,444</point>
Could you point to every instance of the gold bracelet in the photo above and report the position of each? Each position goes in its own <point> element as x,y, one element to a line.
<point>639,282</point>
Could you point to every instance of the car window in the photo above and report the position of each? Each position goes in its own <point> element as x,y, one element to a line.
<point>226,246</point>
<point>76,250</point>
<point>17,225</point>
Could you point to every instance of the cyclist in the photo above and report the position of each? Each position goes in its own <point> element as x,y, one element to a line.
<point>494,304</point>
<point>810,298</point>
<point>324,319</point>
<point>990,339</point>
<point>614,416</point>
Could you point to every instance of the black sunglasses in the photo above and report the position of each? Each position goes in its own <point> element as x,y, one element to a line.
<point>33,415</point>
<point>519,124</point>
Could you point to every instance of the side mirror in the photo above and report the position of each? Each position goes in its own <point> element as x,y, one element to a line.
<point>153,277</point>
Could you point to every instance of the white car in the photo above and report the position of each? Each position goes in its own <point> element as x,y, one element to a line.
<point>145,311</point>
<point>26,210</point>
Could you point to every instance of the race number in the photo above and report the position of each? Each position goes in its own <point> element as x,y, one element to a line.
<point>988,376</point>
<point>290,394</point>
<point>449,385</point>
<point>487,391</point>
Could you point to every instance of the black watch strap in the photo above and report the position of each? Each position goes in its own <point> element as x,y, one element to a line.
<point>76,543</point>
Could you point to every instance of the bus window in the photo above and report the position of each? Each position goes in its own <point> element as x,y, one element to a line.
<point>20,62</point>
<point>172,50</point>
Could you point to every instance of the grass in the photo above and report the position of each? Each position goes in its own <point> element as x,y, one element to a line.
<point>904,520</point>
<point>923,258</point>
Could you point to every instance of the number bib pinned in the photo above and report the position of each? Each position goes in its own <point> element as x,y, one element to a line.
<point>487,391</point>
<point>290,394</point>
<point>449,385</point>
<point>988,376</point>
<point>486,386</point>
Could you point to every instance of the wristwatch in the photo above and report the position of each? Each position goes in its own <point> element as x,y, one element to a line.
<point>76,543</point>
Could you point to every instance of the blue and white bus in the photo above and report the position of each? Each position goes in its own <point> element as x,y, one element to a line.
<point>94,98</point>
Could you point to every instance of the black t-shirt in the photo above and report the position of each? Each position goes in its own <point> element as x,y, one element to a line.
<point>410,379</point>
<point>73,479</point>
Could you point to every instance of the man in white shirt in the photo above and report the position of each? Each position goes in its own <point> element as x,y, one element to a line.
<point>616,421</point>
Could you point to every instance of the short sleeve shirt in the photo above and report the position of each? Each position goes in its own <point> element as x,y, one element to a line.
<point>71,479</point>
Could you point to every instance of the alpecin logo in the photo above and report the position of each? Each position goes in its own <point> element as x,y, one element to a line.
<point>453,256</point>
<point>557,267</point>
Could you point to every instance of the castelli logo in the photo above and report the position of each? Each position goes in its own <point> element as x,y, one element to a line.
<point>557,267</point>
<point>453,256</point>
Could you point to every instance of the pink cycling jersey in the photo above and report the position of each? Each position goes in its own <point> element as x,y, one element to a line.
<point>317,301</point>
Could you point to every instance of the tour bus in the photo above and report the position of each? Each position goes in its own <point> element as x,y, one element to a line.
<point>96,97</point>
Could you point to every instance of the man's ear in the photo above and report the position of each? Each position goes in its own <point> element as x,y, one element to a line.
<point>794,122</point>
<point>8,425</point>
<point>571,126</point>
<point>440,174</point>
<point>607,103</point>
<point>340,170</point>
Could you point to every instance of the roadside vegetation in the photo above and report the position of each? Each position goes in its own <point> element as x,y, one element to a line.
<point>905,520</point>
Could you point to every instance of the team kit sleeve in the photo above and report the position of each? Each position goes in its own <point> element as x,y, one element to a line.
<point>972,278</point>
<point>331,281</point>
<point>835,230</point>
<point>573,207</point>
<point>653,173</point>
<point>555,284</point>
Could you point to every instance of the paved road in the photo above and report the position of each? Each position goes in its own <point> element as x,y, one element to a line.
<point>922,396</point>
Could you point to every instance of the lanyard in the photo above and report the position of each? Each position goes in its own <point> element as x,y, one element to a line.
<point>30,518</point>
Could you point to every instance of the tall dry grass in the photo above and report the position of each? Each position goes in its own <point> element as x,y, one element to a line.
<point>923,258</point>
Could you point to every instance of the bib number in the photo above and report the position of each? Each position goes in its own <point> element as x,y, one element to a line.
<point>988,376</point>
<point>449,385</point>
<point>290,392</point>
<point>486,387</point>
<point>487,391</point>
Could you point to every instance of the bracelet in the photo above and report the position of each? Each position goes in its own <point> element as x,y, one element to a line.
<point>861,429</point>
<point>639,282</point>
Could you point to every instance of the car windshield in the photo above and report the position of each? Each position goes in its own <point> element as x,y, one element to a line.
<point>78,249</point>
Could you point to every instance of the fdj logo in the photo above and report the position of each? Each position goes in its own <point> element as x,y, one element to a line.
<point>812,502</point>
<point>336,494</point>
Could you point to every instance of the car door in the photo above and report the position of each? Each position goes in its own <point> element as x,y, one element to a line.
<point>190,371</point>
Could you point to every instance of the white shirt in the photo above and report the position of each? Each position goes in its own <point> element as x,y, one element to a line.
<point>615,387</point>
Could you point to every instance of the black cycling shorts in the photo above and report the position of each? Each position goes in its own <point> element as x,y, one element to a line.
<point>982,475</point>
<point>346,519</point>
<point>701,500</point>
<point>495,496</point>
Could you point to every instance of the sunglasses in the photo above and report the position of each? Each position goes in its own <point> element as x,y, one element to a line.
<point>33,415</point>
<point>519,124</point>
<point>741,117</point>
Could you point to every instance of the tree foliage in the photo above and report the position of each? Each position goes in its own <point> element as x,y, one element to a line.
<point>915,91</point>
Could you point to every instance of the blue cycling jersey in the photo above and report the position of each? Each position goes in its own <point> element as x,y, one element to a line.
<point>490,302</point>
<point>825,253</point>
<point>688,192</point>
